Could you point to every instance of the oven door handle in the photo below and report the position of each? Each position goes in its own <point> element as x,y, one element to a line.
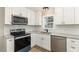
<point>21,37</point>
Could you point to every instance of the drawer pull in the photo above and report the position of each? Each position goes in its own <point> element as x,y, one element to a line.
<point>10,40</point>
<point>73,47</point>
<point>72,41</point>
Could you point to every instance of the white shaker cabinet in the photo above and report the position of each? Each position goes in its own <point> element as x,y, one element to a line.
<point>69,15</point>
<point>24,11</point>
<point>17,11</point>
<point>31,17</point>
<point>64,15</point>
<point>46,42</point>
<point>39,18</point>
<point>8,13</point>
<point>72,45</point>
<point>41,40</point>
<point>58,18</point>
<point>10,45</point>
<point>20,11</point>
<point>76,15</point>
<point>35,40</point>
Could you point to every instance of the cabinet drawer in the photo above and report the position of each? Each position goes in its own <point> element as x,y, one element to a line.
<point>74,41</point>
<point>10,45</point>
<point>73,48</point>
<point>72,45</point>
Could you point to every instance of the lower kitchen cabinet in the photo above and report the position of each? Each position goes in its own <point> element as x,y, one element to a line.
<point>34,39</point>
<point>10,45</point>
<point>72,45</point>
<point>41,40</point>
<point>46,42</point>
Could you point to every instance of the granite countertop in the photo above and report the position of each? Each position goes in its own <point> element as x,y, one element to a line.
<point>8,36</point>
<point>39,32</point>
<point>67,35</point>
<point>59,34</point>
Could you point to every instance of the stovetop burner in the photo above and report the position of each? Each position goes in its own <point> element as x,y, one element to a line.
<point>19,33</point>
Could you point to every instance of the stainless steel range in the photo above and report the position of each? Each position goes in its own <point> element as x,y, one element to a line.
<point>22,40</point>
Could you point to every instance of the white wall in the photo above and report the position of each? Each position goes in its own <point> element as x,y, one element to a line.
<point>1,28</point>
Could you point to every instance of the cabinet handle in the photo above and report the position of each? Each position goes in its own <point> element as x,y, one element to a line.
<point>73,41</point>
<point>10,40</point>
<point>73,47</point>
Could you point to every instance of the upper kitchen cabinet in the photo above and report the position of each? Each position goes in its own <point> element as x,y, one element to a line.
<point>8,13</point>
<point>77,15</point>
<point>20,11</point>
<point>31,17</point>
<point>69,15</point>
<point>64,15</point>
<point>38,18</point>
<point>24,12</point>
<point>58,18</point>
<point>16,11</point>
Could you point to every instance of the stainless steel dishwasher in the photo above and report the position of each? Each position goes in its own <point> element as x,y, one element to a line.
<point>58,43</point>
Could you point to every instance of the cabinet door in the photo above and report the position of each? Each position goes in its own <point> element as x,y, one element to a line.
<point>58,18</point>
<point>31,17</point>
<point>10,45</point>
<point>24,12</point>
<point>68,15</point>
<point>36,40</point>
<point>8,13</point>
<point>46,42</point>
<point>72,45</point>
<point>77,15</point>
<point>33,39</point>
<point>39,40</point>
<point>38,18</point>
<point>17,11</point>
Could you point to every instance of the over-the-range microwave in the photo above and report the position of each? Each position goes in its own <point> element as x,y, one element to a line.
<point>19,20</point>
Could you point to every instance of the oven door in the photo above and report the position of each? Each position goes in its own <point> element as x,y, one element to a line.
<point>22,44</point>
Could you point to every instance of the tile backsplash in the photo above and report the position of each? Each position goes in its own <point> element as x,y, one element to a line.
<point>69,29</point>
<point>7,28</point>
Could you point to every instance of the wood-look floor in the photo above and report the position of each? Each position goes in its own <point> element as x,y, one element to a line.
<point>38,49</point>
